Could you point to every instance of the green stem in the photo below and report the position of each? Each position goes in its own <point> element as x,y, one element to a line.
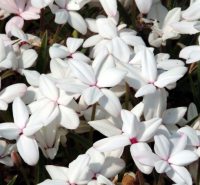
<point>55,37</point>
<point>23,172</point>
<point>127,95</point>
<point>140,178</point>
<point>94,107</point>
<point>7,74</point>
<point>198,173</point>
<point>42,21</point>
<point>160,180</point>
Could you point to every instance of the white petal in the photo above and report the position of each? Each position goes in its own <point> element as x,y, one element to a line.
<point>150,128</point>
<point>20,113</point>
<point>112,166</point>
<point>61,16</point>
<point>92,41</point>
<point>105,127</point>
<point>41,4</point>
<point>190,53</point>
<point>68,118</point>
<point>179,175</point>
<point>149,68</point>
<point>3,105</point>
<point>92,95</point>
<point>162,166</point>
<point>110,102</point>
<point>9,131</point>
<point>91,24</point>
<point>145,90</point>
<point>28,150</point>
<point>192,12</point>
<point>57,172</point>
<point>13,27</point>
<point>110,77</point>
<point>162,146</point>
<point>179,143</point>
<point>143,5</point>
<point>132,40</point>
<point>138,152</point>
<point>28,58</point>
<point>58,51</point>
<point>110,7</point>
<point>112,143</point>
<point>183,158</point>
<point>73,44</point>
<point>155,104</point>
<point>77,22</point>
<point>32,77</point>
<point>192,111</point>
<point>191,134</point>
<point>173,115</point>
<point>109,30</point>
<point>9,93</point>
<point>130,123</point>
<point>120,50</point>
<point>173,16</point>
<point>48,88</point>
<point>170,76</point>
<point>185,27</point>
<point>83,72</point>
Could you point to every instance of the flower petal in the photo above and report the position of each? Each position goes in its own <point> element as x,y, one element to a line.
<point>28,149</point>
<point>20,113</point>
<point>110,7</point>
<point>105,127</point>
<point>183,158</point>
<point>173,115</point>
<point>112,143</point>
<point>48,88</point>
<point>73,44</point>
<point>77,22</point>
<point>68,117</point>
<point>110,102</point>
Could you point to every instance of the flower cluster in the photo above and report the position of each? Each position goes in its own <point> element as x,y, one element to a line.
<point>105,75</point>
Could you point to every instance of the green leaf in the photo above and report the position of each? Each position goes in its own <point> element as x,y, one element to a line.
<point>12,182</point>
<point>43,57</point>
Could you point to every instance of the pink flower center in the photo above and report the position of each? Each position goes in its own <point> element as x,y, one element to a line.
<point>133,140</point>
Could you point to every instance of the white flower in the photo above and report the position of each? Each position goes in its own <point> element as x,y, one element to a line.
<point>22,131</point>
<point>104,167</point>
<point>48,139</point>
<point>23,11</point>
<point>133,133</point>
<point>65,12</point>
<point>160,34</point>
<point>115,40</point>
<point>78,172</point>
<point>95,80</point>
<point>53,105</point>
<point>150,74</point>
<point>171,157</point>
